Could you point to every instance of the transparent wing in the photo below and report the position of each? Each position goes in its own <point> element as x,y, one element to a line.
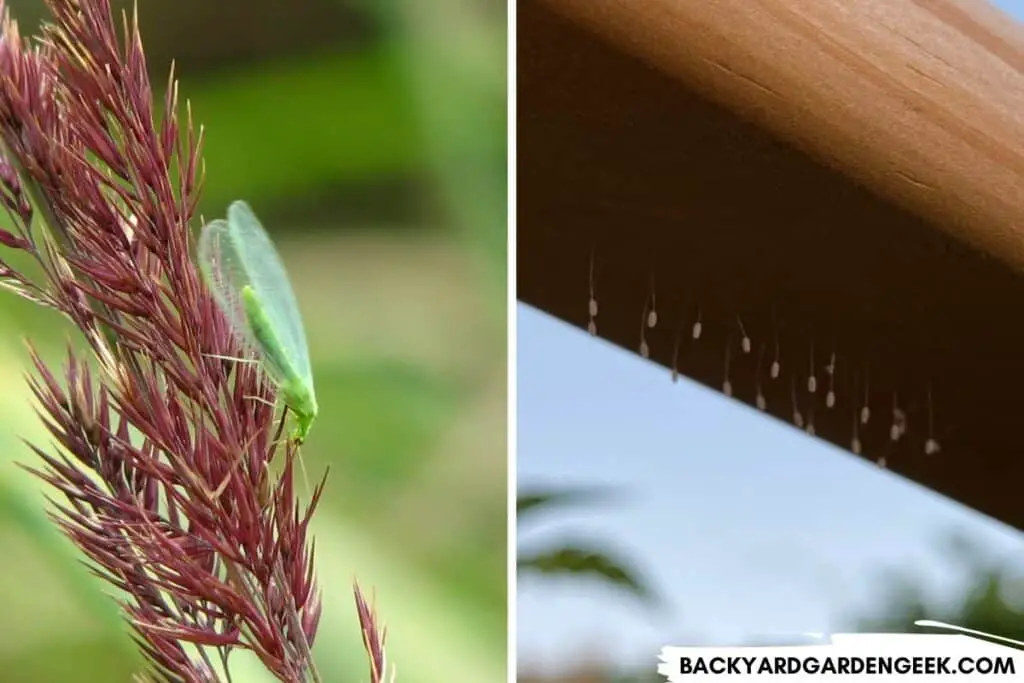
<point>268,278</point>
<point>225,276</point>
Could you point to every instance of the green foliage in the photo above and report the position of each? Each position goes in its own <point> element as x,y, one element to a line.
<point>570,560</point>
<point>983,605</point>
<point>319,121</point>
<point>557,498</point>
<point>574,559</point>
<point>455,62</point>
<point>386,417</point>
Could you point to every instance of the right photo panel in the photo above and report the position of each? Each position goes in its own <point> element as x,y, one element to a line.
<point>770,365</point>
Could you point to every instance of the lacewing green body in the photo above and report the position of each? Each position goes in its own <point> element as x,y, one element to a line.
<point>250,285</point>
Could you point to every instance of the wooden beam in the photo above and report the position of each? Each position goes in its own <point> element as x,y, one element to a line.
<point>841,177</point>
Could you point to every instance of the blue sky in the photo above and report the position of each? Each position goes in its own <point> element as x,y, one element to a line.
<point>1014,8</point>
<point>747,526</point>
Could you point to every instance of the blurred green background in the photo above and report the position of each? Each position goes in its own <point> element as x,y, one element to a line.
<point>370,139</point>
<point>990,600</point>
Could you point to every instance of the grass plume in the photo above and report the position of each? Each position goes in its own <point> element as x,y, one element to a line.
<point>160,462</point>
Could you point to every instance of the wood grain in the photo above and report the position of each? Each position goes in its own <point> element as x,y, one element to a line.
<point>921,100</point>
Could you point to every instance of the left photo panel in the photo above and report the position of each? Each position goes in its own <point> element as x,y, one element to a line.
<point>254,341</point>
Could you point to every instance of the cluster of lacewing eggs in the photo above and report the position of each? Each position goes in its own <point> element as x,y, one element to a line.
<point>861,417</point>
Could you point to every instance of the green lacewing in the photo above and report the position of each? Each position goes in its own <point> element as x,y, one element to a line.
<point>250,285</point>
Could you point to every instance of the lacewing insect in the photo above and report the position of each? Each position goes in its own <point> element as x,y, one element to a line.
<point>250,285</point>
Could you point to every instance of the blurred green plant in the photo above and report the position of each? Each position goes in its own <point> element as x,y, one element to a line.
<point>991,601</point>
<point>325,121</point>
<point>455,57</point>
<point>576,559</point>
